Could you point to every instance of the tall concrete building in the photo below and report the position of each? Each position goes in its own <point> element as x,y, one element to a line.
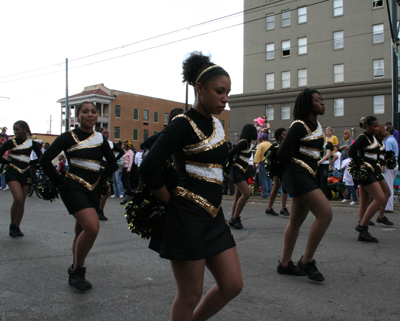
<point>340,47</point>
<point>126,115</point>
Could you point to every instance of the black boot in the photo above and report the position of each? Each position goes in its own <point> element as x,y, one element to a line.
<point>14,230</point>
<point>77,278</point>
<point>364,235</point>
<point>101,215</point>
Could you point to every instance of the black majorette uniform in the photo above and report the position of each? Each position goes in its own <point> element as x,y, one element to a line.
<point>19,165</point>
<point>240,156</point>
<point>195,226</point>
<point>81,185</point>
<point>366,151</point>
<point>299,153</point>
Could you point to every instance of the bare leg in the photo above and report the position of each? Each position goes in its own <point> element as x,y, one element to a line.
<point>375,190</point>
<point>320,207</point>
<point>298,215</point>
<point>235,201</point>
<point>386,192</point>
<point>274,193</point>
<point>242,190</point>
<point>19,193</point>
<point>365,200</point>
<point>104,198</point>
<point>225,267</point>
<point>86,230</point>
<point>284,200</point>
<point>189,276</point>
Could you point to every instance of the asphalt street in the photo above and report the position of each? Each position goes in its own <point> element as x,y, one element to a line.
<point>130,282</point>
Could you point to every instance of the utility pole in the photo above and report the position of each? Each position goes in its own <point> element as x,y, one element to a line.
<point>395,75</point>
<point>66,97</point>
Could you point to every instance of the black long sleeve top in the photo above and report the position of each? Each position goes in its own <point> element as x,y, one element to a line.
<point>303,142</point>
<point>84,152</point>
<point>20,152</point>
<point>241,154</point>
<point>365,148</point>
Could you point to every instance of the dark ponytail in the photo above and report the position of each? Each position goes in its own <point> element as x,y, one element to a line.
<point>196,68</point>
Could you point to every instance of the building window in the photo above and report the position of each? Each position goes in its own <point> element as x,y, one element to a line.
<point>337,8</point>
<point>377,31</point>
<point>135,114</point>
<point>116,132</point>
<point>379,104</point>
<point>285,112</point>
<point>286,48</point>
<point>135,135</point>
<point>145,134</point>
<point>223,124</point>
<point>302,15</point>
<point>338,107</point>
<point>145,115</point>
<point>302,77</point>
<point>269,112</point>
<point>270,49</point>
<point>338,40</point>
<point>166,117</point>
<point>378,68</point>
<point>155,117</point>
<point>285,19</point>
<point>285,79</point>
<point>270,21</point>
<point>270,81</point>
<point>117,111</point>
<point>338,73</point>
<point>302,45</point>
<point>377,4</point>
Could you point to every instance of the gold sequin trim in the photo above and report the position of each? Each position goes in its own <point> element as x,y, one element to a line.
<point>76,178</point>
<point>304,165</point>
<point>201,201</point>
<point>205,141</point>
<point>16,144</point>
<point>84,167</point>
<point>86,160</point>
<point>309,155</point>
<point>369,165</point>
<point>27,160</point>
<point>309,132</point>
<point>240,167</point>
<point>204,165</point>
<point>196,129</point>
<point>205,148</point>
<point>74,147</point>
<point>207,179</point>
<point>19,169</point>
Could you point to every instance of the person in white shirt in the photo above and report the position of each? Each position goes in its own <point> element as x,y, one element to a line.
<point>139,158</point>
<point>348,181</point>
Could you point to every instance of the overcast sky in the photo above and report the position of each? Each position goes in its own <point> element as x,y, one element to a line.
<point>39,34</point>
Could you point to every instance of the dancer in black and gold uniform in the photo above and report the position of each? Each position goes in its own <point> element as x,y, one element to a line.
<point>17,175</point>
<point>300,152</point>
<point>81,186</point>
<point>365,152</point>
<point>196,235</point>
<point>239,157</point>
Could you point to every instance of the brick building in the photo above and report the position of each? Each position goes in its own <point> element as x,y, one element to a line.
<point>126,115</point>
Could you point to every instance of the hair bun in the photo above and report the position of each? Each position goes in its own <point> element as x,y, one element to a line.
<point>193,65</point>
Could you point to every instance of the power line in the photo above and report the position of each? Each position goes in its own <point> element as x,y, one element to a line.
<point>272,4</point>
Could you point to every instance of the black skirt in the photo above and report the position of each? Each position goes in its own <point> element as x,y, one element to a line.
<point>76,200</point>
<point>13,175</point>
<point>191,233</point>
<point>372,178</point>
<point>236,175</point>
<point>297,180</point>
